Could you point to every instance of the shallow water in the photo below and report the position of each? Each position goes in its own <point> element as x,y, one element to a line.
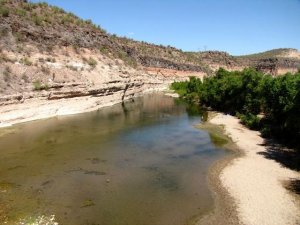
<point>141,163</point>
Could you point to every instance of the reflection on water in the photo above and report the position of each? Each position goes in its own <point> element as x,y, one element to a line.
<point>139,163</point>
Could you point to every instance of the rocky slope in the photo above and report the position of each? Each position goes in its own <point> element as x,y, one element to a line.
<point>54,63</point>
<point>41,85</point>
<point>277,61</point>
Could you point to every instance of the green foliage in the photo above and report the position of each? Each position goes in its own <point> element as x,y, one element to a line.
<point>180,87</point>
<point>4,12</point>
<point>26,61</point>
<point>250,120</point>
<point>233,91</point>
<point>282,105</point>
<point>38,86</point>
<point>127,59</point>
<point>248,93</point>
<point>92,62</point>
<point>21,12</point>
<point>67,18</point>
<point>43,4</point>
<point>57,10</point>
<point>27,6</point>
<point>38,20</point>
<point>188,89</point>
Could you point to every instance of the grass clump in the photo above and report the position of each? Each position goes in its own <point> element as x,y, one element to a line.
<point>38,86</point>
<point>104,50</point>
<point>21,12</point>
<point>91,62</point>
<point>38,20</point>
<point>25,61</point>
<point>4,12</point>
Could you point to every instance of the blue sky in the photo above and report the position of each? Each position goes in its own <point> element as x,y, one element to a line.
<point>236,26</point>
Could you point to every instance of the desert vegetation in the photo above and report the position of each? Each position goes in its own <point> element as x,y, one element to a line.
<point>262,102</point>
<point>38,86</point>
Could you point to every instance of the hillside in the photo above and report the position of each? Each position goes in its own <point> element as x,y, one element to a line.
<point>49,54</point>
<point>47,26</point>
<point>275,53</point>
<point>276,61</point>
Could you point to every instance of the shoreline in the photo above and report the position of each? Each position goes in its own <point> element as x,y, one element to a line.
<point>258,196</point>
<point>247,187</point>
<point>38,109</point>
<point>225,209</point>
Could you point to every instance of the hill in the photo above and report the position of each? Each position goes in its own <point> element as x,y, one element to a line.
<point>276,61</point>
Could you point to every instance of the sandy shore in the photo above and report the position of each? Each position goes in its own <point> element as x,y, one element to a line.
<point>254,183</point>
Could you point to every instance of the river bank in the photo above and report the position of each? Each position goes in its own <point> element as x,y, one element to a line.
<point>41,108</point>
<point>251,183</point>
<point>256,197</point>
<point>141,156</point>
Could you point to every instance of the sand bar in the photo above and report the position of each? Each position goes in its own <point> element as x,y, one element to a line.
<point>256,183</point>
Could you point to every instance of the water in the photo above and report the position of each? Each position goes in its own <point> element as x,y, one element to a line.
<point>141,163</point>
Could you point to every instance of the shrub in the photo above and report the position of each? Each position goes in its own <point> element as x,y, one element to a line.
<point>38,86</point>
<point>250,120</point>
<point>57,10</point>
<point>27,6</point>
<point>66,19</point>
<point>38,20</point>
<point>92,62</point>
<point>21,12</point>
<point>180,87</point>
<point>26,61</point>
<point>104,50</point>
<point>4,12</point>
<point>127,59</point>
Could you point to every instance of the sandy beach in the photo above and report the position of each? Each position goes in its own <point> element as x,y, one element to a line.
<point>254,183</point>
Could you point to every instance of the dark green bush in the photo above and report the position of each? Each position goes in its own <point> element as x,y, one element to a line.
<point>189,89</point>
<point>248,93</point>
<point>250,120</point>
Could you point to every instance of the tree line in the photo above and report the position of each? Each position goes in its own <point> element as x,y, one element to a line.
<point>262,102</point>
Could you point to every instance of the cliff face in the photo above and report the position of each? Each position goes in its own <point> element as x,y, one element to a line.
<point>66,81</point>
<point>54,63</point>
